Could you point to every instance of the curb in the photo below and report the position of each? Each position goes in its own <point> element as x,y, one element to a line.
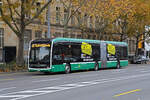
<point>13,72</point>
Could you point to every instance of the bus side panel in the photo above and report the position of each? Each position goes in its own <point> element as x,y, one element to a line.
<point>88,65</point>
<point>39,70</point>
<point>58,68</point>
<point>111,64</point>
<point>75,66</point>
<point>82,65</point>
<point>99,64</point>
<point>123,63</point>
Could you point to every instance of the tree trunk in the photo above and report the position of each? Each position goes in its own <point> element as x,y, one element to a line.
<point>20,52</point>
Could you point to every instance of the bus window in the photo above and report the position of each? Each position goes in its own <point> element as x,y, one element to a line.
<point>123,52</point>
<point>96,52</point>
<point>40,55</point>
<point>76,52</point>
<point>57,54</point>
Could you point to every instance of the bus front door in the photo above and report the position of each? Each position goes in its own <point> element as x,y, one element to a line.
<point>103,55</point>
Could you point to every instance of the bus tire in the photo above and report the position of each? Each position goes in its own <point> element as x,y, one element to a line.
<point>118,66</point>
<point>67,69</point>
<point>96,67</point>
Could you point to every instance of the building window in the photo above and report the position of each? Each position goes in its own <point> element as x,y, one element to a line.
<point>38,5</point>
<point>57,15</point>
<point>72,35</point>
<point>91,22</point>
<point>38,34</point>
<point>65,14</point>
<point>79,18</point>
<point>96,22</point>
<point>66,34</point>
<point>27,13</point>
<point>94,37</point>
<point>131,46</point>
<point>57,34</point>
<point>79,36</point>
<point>27,38</point>
<point>1,43</point>
<point>0,6</point>
<point>85,19</point>
<point>1,37</point>
<point>45,34</point>
<point>72,18</point>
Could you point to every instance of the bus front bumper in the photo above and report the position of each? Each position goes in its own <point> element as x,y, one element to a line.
<point>39,70</point>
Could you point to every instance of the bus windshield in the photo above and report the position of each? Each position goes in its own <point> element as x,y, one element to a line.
<point>40,55</point>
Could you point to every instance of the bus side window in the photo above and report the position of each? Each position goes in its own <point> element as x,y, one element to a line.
<point>66,52</point>
<point>96,52</point>
<point>76,52</point>
<point>123,52</point>
<point>57,54</point>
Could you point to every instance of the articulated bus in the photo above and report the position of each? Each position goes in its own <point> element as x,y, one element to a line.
<point>68,54</point>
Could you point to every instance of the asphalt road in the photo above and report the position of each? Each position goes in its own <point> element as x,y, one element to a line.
<point>129,83</point>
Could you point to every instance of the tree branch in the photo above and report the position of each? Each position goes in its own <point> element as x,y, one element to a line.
<point>76,10</point>
<point>38,13</point>
<point>63,3</point>
<point>17,12</point>
<point>33,1</point>
<point>11,15</point>
<point>8,23</point>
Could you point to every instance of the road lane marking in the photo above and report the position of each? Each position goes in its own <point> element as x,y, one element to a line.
<point>4,74</point>
<point>9,79</point>
<point>145,71</point>
<point>7,88</point>
<point>140,70</point>
<point>125,93</point>
<point>39,76</point>
<point>46,80</point>
<point>45,90</point>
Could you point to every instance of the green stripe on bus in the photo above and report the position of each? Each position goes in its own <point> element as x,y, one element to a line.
<point>58,68</point>
<point>82,66</point>
<point>123,63</point>
<point>111,64</point>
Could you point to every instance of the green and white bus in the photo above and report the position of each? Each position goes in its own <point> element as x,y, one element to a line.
<point>68,54</point>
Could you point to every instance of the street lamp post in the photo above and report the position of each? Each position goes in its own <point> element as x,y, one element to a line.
<point>48,23</point>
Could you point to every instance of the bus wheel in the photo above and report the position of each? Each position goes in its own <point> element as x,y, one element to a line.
<point>67,69</point>
<point>96,66</point>
<point>118,66</point>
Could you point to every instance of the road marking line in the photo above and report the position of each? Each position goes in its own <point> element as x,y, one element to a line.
<point>144,71</point>
<point>45,80</point>
<point>4,74</point>
<point>7,79</point>
<point>127,92</point>
<point>46,90</point>
<point>39,76</point>
<point>7,89</point>
<point>139,70</point>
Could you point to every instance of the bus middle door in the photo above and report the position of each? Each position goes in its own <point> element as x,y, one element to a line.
<point>103,52</point>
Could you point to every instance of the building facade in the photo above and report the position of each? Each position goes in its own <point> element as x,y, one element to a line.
<point>58,16</point>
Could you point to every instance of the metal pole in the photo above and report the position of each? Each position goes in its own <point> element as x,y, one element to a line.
<point>48,23</point>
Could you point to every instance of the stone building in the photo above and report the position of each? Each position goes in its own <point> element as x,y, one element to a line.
<point>9,41</point>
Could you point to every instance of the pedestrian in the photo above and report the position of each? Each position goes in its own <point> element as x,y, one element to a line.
<point>118,59</point>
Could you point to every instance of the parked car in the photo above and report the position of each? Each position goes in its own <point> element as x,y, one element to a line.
<point>140,59</point>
